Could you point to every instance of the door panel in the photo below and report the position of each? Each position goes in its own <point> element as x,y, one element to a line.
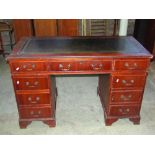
<point>45,27</point>
<point>22,28</point>
<point>68,27</point>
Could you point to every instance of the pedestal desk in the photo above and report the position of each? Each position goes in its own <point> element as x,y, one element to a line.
<point>121,64</point>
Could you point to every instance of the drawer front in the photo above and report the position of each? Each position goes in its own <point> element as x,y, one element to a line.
<point>81,66</point>
<point>95,65</point>
<point>33,99</point>
<point>126,96</point>
<point>131,64</point>
<point>28,66</point>
<point>128,81</point>
<point>63,66</point>
<point>123,111</point>
<point>35,112</point>
<point>30,83</point>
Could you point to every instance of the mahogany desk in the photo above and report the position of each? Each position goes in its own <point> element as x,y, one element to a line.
<point>120,62</point>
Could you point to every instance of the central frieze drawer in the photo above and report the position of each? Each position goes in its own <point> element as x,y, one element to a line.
<point>30,83</point>
<point>35,112</point>
<point>81,66</point>
<point>28,66</point>
<point>128,81</point>
<point>95,65</point>
<point>63,66</point>
<point>34,99</point>
<point>126,96</point>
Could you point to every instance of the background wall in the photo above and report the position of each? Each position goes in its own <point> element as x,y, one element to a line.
<point>103,27</point>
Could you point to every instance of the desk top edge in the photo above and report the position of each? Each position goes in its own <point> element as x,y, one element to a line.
<point>24,41</point>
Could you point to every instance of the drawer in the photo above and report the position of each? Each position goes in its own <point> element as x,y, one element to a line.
<point>34,112</point>
<point>63,66</point>
<point>126,96</point>
<point>128,81</point>
<point>123,111</point>
<point>33,99</point>
<point>28,66</point>
<point>30,83</point>
<point>81,66</point>
<point>133,64</point>
<point>95,65</point>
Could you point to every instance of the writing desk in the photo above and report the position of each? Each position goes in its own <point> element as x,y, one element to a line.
<point>120,62</point>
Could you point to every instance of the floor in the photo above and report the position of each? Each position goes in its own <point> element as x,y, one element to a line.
<point>77,113</point>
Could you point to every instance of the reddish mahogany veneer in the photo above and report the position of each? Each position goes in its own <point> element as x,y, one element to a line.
<point>120,62</point>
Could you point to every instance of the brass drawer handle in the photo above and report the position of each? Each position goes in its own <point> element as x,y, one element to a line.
<point>29,69</point>
<point>124,111</point>
<point>134,66</point>
<point>32,67</point>
<point>127,83</point>
<point>125,98</point>
<point>39,112</point>
<point>36,114</point>
<point>61,67</point>
<point>130,83</point>
<point>94,66</point>
<point>37,98</point>
<point>36,101</point>
<point>32,86</point>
